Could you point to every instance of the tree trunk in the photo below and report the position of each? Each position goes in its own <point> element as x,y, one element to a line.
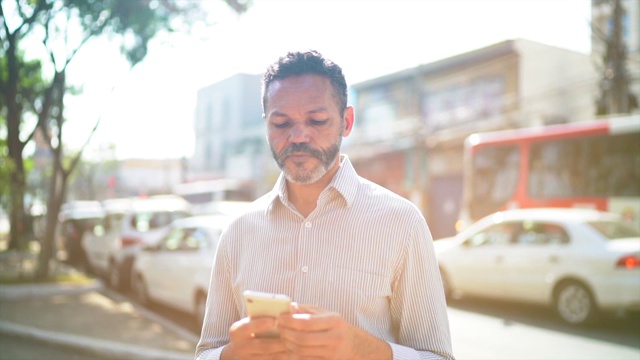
<point>58,185</point>
<point>57,193</point>
<point>14,115</point>
<point>17,219</point>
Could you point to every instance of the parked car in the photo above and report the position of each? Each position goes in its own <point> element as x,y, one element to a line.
<point>144,222</point>
<point>175,272</point>
<point>223,207</point>
<point>581,262</point>
<point>75,220</point>
<point>100,243</point>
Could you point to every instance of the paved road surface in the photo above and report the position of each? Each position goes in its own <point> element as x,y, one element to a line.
<point>16,348</point>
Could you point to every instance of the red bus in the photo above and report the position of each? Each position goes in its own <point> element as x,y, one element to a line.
<point>593,164</point>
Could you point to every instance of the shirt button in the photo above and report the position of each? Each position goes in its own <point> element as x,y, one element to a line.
<point>307,224</point>
<point>305,269</point>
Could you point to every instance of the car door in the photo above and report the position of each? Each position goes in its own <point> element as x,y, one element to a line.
<point>184,267</point>
<point>206,256</point>
<point>91,243</point>
<point>159,266</point>
<point>534,261</point>
<point>100,241</point>
<point>480,269</point>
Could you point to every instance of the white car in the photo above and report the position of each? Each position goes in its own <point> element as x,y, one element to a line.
<point>176,271</point>
<point>99,243</point>
<point>581,262</point>
<point>75,220</point>
<point>113,246</point>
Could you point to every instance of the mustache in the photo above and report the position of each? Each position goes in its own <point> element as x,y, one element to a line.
<point>300,148</point>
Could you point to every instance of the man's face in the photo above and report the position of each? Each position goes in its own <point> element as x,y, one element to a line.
<point>305,126</point>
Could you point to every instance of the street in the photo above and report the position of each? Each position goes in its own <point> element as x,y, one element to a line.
<point>492,330</point>
<point>17,348</point>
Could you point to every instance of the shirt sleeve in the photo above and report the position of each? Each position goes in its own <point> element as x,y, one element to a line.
<point>221,310</point>
<point>210,354</point>
<point>418,304</point>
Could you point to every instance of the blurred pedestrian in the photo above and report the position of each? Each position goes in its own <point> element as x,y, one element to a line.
<point>357,259</point>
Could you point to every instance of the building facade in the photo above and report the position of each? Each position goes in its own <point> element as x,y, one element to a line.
<point>139,177</point>
<point>411,125</point>
<point>230,142</point>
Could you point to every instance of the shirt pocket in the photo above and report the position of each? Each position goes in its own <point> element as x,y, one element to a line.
<point>355,293</point>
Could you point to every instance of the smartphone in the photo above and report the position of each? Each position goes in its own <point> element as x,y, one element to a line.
<point>266,304</point>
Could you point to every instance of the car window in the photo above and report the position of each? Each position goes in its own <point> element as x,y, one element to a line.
<point>614,230</point>
<point>498,234</point>
<point>173,240</point>
<point>146,221</point>
<point>112,221</point>
<point>542,233</point>
<point>195,239</point>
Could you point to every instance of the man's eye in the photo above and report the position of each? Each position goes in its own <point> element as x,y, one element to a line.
<point>318,122</point>
<point>281,125</point>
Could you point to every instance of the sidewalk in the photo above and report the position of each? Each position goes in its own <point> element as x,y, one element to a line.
<point>90,317</point>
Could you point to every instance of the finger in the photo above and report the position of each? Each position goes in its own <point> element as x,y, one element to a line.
<point>283,355</point>
<point>308,309</point>
<point>294,308</point>
<point>310,322</point>
<point>246,328</point>
<point>321,350</point>
<point>256,348</point>
<point>239,329</point>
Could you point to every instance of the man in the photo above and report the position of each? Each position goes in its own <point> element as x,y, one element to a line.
<point>357,258</point>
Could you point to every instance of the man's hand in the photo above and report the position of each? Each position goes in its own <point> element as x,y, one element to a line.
<point>316,333</point>
<point>245,345</point>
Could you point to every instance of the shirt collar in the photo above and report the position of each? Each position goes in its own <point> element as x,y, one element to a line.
<point>345,181</point>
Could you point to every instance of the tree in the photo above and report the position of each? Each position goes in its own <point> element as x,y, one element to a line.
<point>57,24</point>
<point>615,95</point>
<point>22,81</point>
<point>6,169</point>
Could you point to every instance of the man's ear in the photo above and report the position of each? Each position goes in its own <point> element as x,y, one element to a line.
<point>349,118</point>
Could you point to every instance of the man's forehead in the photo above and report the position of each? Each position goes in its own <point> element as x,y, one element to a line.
<point>291,87</point>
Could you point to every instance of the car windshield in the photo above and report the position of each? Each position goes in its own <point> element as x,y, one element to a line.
<point>152,220</point>
<point>614,230</point>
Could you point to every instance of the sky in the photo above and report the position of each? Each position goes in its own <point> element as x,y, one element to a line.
<point>148,111</point>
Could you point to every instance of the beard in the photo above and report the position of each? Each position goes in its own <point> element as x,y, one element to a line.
<point>298,174</point>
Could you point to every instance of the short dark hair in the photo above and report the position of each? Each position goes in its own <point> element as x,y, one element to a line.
<point>303,63</point>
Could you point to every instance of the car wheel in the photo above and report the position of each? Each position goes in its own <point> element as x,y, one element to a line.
<point>140,290</point>
<point>574,303</point>
<point>200,308</point>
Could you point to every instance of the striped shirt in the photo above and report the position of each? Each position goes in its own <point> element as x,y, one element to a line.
<point>364,252</point>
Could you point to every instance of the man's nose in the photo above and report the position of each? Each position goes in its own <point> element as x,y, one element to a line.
<point>299,134</point>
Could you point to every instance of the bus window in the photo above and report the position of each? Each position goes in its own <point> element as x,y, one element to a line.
<point>495,177</point>
<point>549,169</point>
<point>592,166</point>
<point>624,157</point>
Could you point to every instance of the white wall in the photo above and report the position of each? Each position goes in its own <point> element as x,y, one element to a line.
<point>555,83</point>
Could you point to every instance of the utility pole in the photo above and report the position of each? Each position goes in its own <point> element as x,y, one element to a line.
<point>614,85</point>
